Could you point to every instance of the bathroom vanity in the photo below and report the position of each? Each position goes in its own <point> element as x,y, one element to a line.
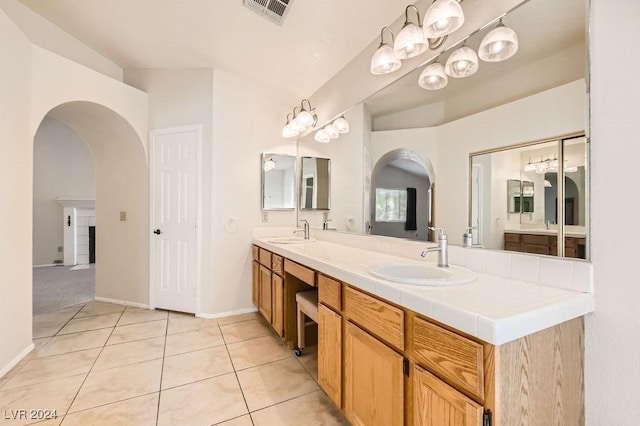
<point>496,351</point>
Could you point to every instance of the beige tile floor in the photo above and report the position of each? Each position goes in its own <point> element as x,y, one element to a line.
<point>106,364</point>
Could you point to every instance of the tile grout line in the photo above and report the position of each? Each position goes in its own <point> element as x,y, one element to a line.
<point>90,370</point>
<point>164,353</point>
<point>235,372</point>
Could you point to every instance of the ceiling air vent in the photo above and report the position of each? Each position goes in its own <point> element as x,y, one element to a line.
<point>273,10</point>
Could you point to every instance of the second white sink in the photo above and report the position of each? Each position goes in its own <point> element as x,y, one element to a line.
<point>425,275</point>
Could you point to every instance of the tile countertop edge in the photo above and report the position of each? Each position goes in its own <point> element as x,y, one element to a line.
<point>495,331</point>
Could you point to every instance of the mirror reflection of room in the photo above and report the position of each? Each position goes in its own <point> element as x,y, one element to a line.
<point>278,182</point>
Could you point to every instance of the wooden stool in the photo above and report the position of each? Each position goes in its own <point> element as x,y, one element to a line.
<point>306,304</point>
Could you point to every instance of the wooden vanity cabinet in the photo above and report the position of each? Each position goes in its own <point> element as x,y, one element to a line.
<point>574,247</point>
<point>265,303</point>
<point>268,287</point>
<point>330,338</point>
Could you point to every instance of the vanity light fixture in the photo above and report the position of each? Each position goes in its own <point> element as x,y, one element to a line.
<point>547,183</point>
<point>499,44</point>
<point>332,130</point>
<point>548,166</point>
<point>433,77</point>
<point>463,62</point>
<point>384,61</point>
<point>443,17</point>
<point>301,119</point>
<point>410,41</point>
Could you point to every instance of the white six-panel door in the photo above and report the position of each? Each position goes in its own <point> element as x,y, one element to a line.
<point>175,206</point>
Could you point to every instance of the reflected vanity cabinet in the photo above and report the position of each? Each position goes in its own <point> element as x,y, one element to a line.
<point>268,287</point>
<point>383,364</point>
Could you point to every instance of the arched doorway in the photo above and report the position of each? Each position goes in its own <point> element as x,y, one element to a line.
<point>121,199</point>
<point>402,184</point>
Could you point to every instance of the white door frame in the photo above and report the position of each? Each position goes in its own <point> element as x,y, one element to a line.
<point>152,219</point>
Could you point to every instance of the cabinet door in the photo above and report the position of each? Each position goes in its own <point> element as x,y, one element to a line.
<point>330,353</point>
<point>265,292</point>
<point>255,284</point>
<point>436,403</point>
<point>277,307</point>
<point>373,382</point>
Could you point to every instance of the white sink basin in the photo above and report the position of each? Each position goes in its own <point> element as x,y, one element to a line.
<point>425,275</point>
<point>290,240</point>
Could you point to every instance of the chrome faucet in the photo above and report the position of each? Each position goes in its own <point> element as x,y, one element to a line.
<point>306,229</point>
<point>442,248</point>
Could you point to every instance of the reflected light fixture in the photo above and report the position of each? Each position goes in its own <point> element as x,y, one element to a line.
<point>341,124</point>
<point>433,77</point>
<point>321,136</point>
<point>410,41</point>
<point>331,131</point>
<point>288,131</point>
<point>443,17</point>
<point>547,183</point>
<point>463,62</point>
<point>499,44</point>
<point>269,164</point>
<point>383,60</point>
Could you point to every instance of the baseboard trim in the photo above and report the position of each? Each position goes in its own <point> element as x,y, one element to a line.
<point>16,360</point>
<point>47,264</point>
<point>122,302</point>
<point>226,314</point>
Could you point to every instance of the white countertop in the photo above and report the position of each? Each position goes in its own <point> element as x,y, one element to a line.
<point>493,309</point>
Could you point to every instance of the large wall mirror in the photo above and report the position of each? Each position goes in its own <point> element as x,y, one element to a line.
<point>278,181</point>
<point>538,94</point>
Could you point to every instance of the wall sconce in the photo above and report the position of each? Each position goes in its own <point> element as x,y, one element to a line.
<point>410,41</point>
<point>442,18</point>
<point>384,61</point>
<point>301,119</point>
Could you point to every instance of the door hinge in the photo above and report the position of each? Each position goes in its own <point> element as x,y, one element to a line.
<point>405,367</point>
<point>486,418</point>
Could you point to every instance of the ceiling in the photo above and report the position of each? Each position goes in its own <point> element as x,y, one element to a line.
<point>315,41</point>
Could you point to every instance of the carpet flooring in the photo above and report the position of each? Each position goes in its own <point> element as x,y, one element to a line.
<point>56,287</point>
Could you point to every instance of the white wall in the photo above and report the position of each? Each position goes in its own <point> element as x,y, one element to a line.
<point>247,120</point>
<point>547,114</point>
<point>16,177</point>
<point>613,330</point>
<point>63,166</point>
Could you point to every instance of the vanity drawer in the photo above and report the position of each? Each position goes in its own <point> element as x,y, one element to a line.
<point>277,264</point>
<point>329,292</point>
<point>265,257</point>
<point>374,315</point>
<point>512,246</point>
<point>301,272</point>
<point>542,240</point>
<point>512,238</point>
<point>535,248</point>
<point>254,252</point>
<point>452,357</point>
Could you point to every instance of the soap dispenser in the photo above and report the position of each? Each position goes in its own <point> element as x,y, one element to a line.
<point>467,237</point>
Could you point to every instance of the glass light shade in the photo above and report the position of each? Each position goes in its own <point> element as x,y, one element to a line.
<point>443,17</point>
<point>433,77</point>
<point>269,165</point>
<point>331,131</point>
<point>553,165</point>
<point>321,136</point>
<point>547,183</point>
<point>384,61</point>
<point>499,44</point>
<point>570,169</point>
<point>305,118</point>
<point>341,125</point>
<point>288,131</point>
<point>542,168</point>
<point>409,42</point>
<point>463,62</point>
<point>530,167</point>
<point>296,126</point>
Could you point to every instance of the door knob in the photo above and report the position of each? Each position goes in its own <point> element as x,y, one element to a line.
<point>157,232</point>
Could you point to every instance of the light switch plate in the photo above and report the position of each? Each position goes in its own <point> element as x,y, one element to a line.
<point>265,217</point>
<point>123,216</point>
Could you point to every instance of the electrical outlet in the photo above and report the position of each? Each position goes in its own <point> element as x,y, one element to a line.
<point>60,249</point>
<point>123,216</point>
<point>325,216</point>
<point>265,217</point>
